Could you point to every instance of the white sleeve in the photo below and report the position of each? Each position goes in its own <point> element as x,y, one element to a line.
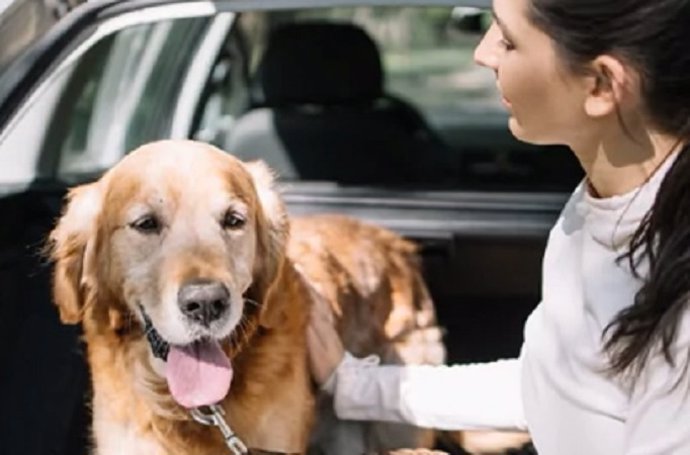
<point>659,414</point>
<point>461,397</point>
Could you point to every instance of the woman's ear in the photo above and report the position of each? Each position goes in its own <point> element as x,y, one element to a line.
<point>611,84</point>
<point>69,245</point>
<point>272,235</point>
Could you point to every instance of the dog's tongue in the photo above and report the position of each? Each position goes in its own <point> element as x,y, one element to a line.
<point>198,374</point>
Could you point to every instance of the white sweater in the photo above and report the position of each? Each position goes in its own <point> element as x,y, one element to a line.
<point>558,388</point>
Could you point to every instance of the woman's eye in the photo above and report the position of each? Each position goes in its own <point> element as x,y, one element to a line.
<point>233,220</point>
<point>507,45</point>
<point>147,224</point>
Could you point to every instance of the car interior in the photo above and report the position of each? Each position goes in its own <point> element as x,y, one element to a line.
<point>322,112</point>
<point>332,99</point>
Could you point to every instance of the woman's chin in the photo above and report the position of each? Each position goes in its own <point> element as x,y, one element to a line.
<point>524,135</point>
<point>516,129</point>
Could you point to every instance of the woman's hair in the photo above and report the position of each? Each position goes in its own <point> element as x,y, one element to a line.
<point>652,37</point>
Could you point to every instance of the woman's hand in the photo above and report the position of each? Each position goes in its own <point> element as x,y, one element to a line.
<point>326,351</point>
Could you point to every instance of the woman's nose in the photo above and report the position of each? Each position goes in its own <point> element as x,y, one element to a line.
<point>487,51</point>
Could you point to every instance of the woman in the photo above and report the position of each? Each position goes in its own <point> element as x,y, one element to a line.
<point>603,366</point>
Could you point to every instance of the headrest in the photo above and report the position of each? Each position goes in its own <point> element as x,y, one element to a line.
<point>320,63</point>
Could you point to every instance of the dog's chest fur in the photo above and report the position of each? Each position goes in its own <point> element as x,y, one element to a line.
<point>115,438</point>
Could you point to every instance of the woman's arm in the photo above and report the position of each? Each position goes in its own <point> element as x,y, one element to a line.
<point>474,396</point>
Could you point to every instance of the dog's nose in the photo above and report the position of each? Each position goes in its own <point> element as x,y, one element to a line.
<point>203,302</point>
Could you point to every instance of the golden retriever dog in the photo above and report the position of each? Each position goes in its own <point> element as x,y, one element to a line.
<point>193,290</point>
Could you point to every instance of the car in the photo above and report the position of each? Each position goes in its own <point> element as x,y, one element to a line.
<point>367,108</point>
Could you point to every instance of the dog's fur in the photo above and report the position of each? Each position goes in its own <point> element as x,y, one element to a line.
<point>108,266</point>
<point>369,279</point>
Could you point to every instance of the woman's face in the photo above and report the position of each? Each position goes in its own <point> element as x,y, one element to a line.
<point>545,100</point>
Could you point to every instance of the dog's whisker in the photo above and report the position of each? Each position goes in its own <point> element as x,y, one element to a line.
<point>244,328</point>
<point>251,301</point>
<point>241,332</point>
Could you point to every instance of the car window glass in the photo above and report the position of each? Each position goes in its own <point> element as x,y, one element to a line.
<point>226,94</point>
<point>125,88</point>
<point>117,95</point>
<point>427,58</point>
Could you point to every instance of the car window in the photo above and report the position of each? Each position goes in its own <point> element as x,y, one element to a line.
<point>117,95</point>
<point>122,93</point>
<point>427,59</point>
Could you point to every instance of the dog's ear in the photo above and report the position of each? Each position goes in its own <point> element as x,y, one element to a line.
<point>272,235</point>
<point>69,245</point>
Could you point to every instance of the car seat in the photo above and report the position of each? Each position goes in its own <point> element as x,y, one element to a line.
<point>322,114</point>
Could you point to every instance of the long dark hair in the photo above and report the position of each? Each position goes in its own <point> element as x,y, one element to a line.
<point>651,36</point>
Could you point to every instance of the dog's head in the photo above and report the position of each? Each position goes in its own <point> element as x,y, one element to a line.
<point>180,235</point>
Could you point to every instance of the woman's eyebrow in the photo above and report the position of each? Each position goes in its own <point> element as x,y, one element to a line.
<point>501,25</point>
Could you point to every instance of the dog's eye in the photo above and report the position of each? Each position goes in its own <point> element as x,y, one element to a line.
<point>147,224</point>
<point>232,220</point>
